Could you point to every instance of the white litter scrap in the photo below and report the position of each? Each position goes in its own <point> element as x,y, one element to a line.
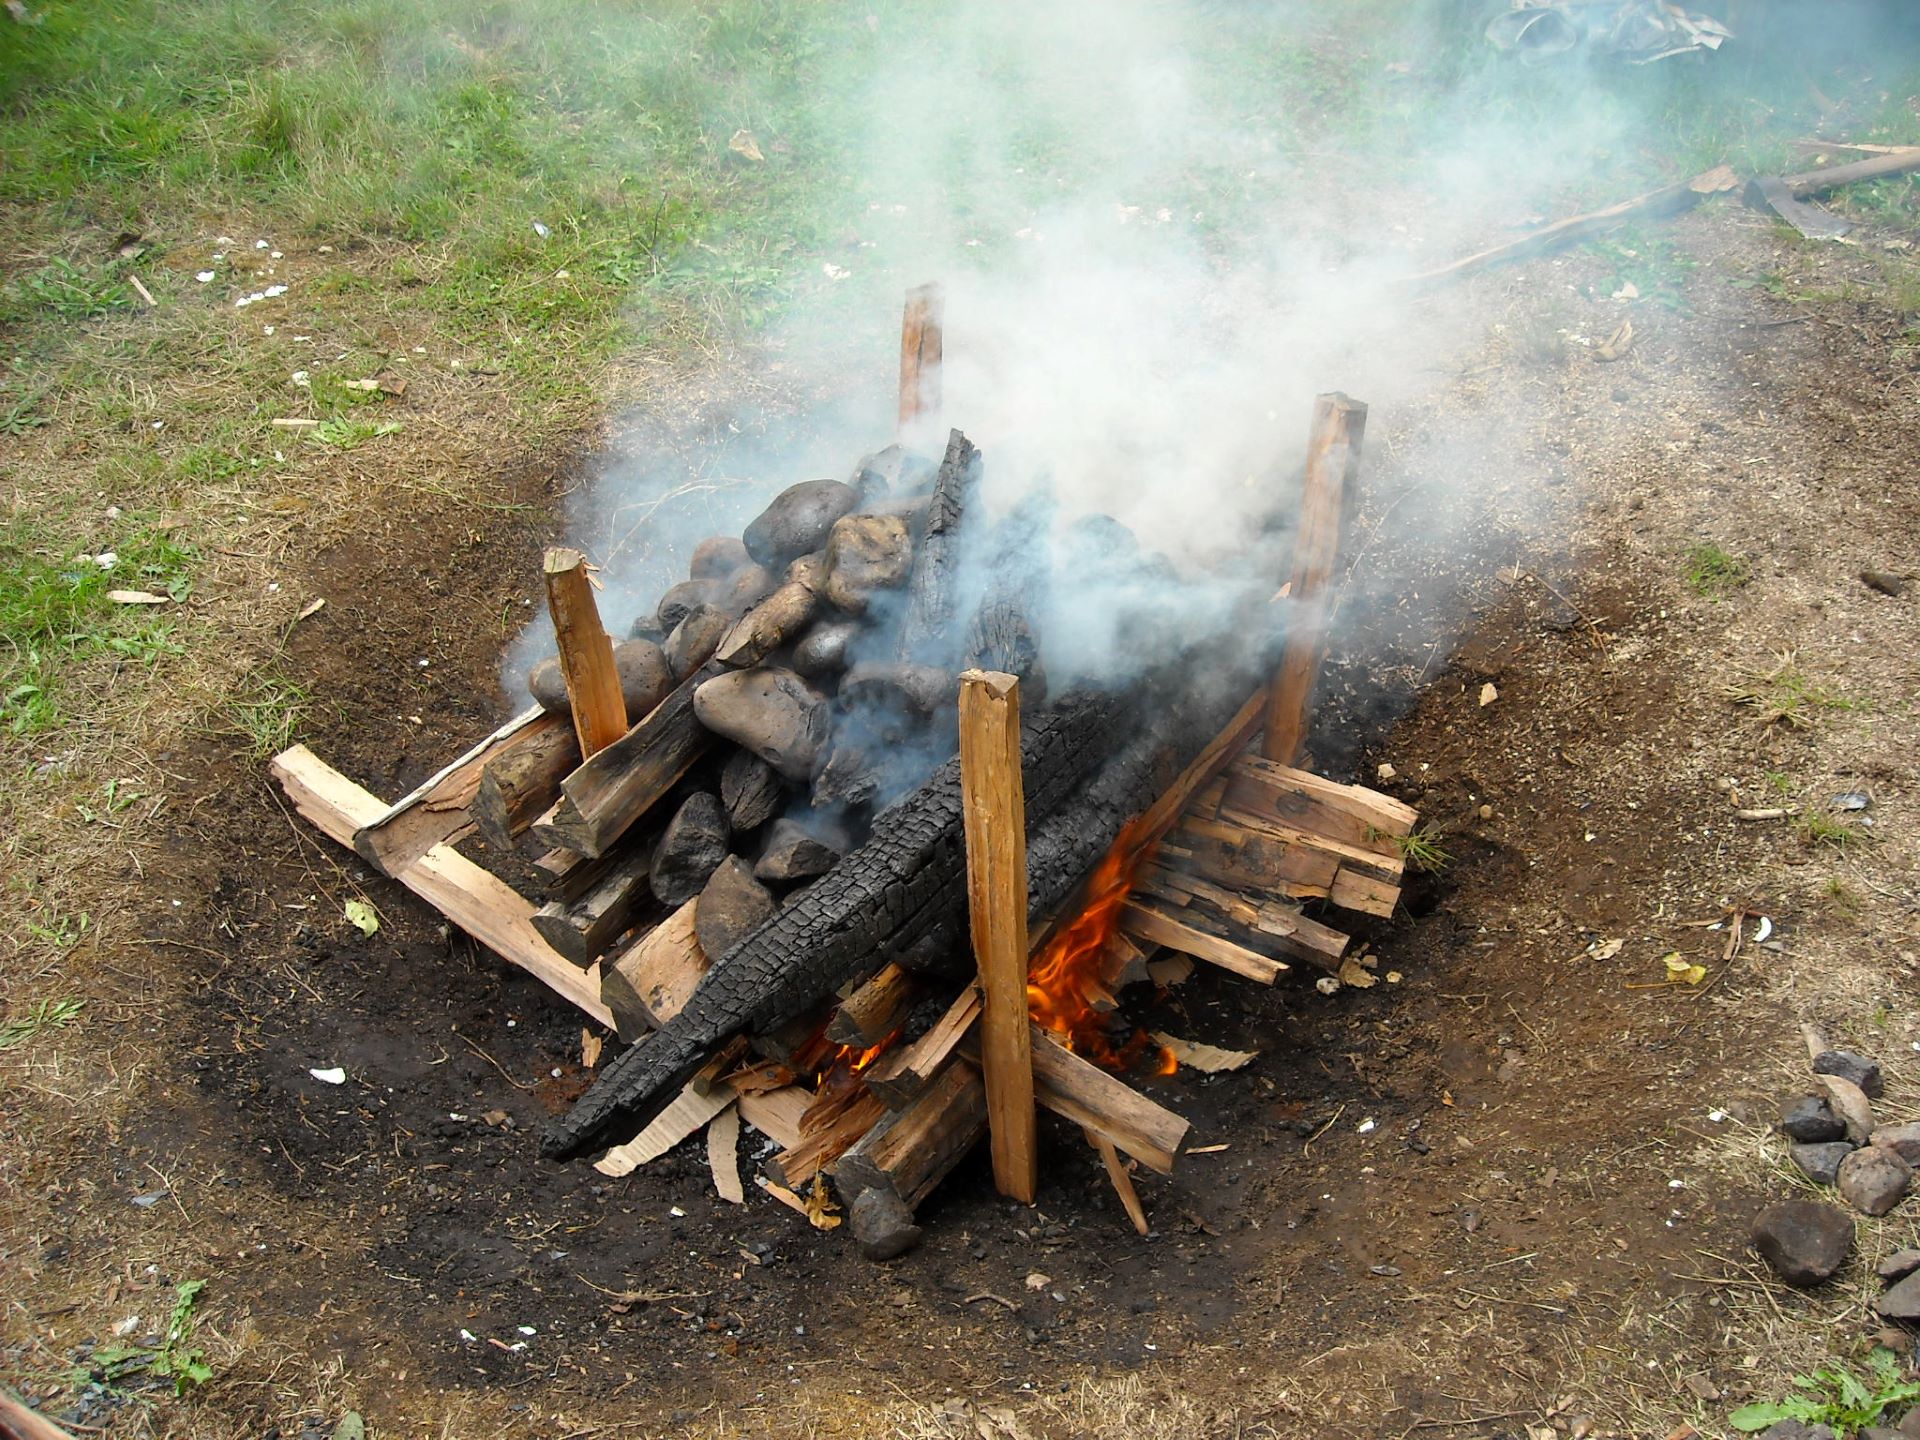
<point>334,1076</point>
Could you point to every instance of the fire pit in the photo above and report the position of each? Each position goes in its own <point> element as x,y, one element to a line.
<point>771,819</point>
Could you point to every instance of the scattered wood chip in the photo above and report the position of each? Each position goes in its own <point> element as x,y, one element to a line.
<point>1169,970</point>
<point>744,145</point>
<point>723,1156</point>
<point>310,609</point>
<point>686,1114</point>
<point>293,423</point>
<point>989,1295</point>
<point>135,597</point>
<point>142,291</point>
<point>1209,1149</point>
<point>389,383</point>
<point>1616,344</point>
<point>1357,976</point>
<point>1208,1059</point>
<point>785,1196</point>
<point>1038,1281</point>
<point>590,1047</point>
<point>1488,694</point>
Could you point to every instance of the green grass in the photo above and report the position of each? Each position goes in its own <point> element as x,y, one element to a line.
<point>47,1015</point>
<point>1835,1396</point>
<point>1713,572</point>
<point>264,713</point>
<point>1830,832</point>
<point>1422,849</point>
<point>1786,696</point>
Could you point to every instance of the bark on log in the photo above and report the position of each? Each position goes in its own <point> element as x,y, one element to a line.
<point>516,788</point>
<point>1091,765</point>
<point>581,929</point>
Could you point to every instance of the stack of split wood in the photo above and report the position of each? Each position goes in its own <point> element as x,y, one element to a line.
<point>804,851</point>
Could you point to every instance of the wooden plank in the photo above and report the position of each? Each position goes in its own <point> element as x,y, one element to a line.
<point>777,1114</point>
<point>586,652</point>
<point>686,1113</point>
<point>649,982</point>
<point>901,1074</point>
<point>1814,182</point>
<point>723,1155</point>
<point>1161,815</point>
<point>876,1008</point>
<point>1150,924</point>
<point>476,900</point>
<point>1356,804</point>
<point>1389,863</point>
<point>921,343</point>
<point>438,810</point>
<point>1105,1104</point>
<point>1122,1182</point>
<point>1333,464</point>
<point>994,809</point>
<point>616,787</point>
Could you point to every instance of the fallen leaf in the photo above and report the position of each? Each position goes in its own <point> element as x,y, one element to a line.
<point>1488,694</point>
<point>498,1119</point>
<point>745,145</point>
<point>1616,344</point>
<point>351,1427</point>
<point>362,915</point>
<point>1606,950</point>
<point>1679,970</point>
<point>1357,976</point>
<point>1208,1059</point>
<point>135,597</point>
<point>822,1212</point>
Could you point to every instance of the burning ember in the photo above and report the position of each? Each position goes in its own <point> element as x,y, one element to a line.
<point>838,1064</point>
<point>1066,987</point>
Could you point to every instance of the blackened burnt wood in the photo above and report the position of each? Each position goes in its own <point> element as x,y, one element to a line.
<point>927,628</point>
<point>1090,765</point>
<point>620,784</point>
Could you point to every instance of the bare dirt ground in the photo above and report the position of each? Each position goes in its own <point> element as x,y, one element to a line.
<point>1507,1189</point>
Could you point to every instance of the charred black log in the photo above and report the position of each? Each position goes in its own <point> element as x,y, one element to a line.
<point>1090,765</point>
<point>926,629</point>
<point>1001,636</point>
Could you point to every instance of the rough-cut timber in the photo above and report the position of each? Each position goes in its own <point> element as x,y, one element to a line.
<point>920,354</point>
<point>648,984</point>
<point>621,783</point>
<point>517,785</point>
<point>875,1010</point>
<point>439,811</point>
<point>926,627</point>
<point>581,929</point>
<point>586,652</point>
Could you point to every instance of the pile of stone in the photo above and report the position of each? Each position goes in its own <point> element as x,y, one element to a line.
<point>1835,1140</point>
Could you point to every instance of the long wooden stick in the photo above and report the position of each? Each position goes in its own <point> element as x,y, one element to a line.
<point>921,346</point>
<point>995,810</point>
<point>586,653</point>
<point>1333,462</point>
<point>1122,1182</point>
<point>18,1422</point>
<point>1813,182</point>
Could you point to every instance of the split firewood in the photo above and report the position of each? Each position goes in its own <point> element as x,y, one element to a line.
<point>777,1113</point>
<point>777,620</point>
<point>751,790</point>
<point>649,982</point>
<point>827,1132</point>
<point>934,586</point>
<point>902,1074</point>
<point>910,1151</point>
<point>875,1009</point>
<point>1122,1182</point>
<point>920,354</point>
<point>518,786</point>
<point>439,810</point>
<point>582,929</point>
<point>586,652</point>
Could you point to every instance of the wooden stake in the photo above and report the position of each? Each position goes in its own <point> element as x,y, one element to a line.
<point>1333,461</point>
<point>994,805</point>
<point>586,653</point>
<point>17,1422</point>
<point>920,354</point>
<point>1122,1182</point>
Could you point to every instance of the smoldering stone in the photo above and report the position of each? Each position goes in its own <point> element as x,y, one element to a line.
<point>548,685</point>
<point>645,677</point>
<point>732,903</point>
<point>770,711</point>
<point>717,557</point>
<point>866,554</point>
<point>892,471</point>
<point>1902,1302</point>
<point>794,854</point>
<point>682,598</point>
<point>1850,1103</point>
<point>1903,1140</point>
<point>1873,1180</point>
<point>798,520</point>
<point>1898,1265</point>
<point>751,789</point>
<point>695,638</point>
<point>692,847</point>
<point>899,688</point>
<point>1820,1162</point>
<point>1810,1120</point>
<point>746,588</point>
<point>822,651</point>
<point>882,1224</point>
<point>1851,1066</point>
<point>1804,1241</point>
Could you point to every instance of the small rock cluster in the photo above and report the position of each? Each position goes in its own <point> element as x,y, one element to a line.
<point>1834,1140</point>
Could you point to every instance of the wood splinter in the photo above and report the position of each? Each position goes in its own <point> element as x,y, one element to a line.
<point>1122,1181</point>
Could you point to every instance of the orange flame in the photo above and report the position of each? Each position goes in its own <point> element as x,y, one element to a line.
<point>1067,979</point>
<point>842,1062</point>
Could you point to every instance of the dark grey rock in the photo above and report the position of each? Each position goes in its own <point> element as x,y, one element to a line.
<point>1879,1432</point>
<point>882,1224</point>
<point>1903,1140</point>
<point>798,520</point>
<point>1810,1120</point>
<point>682,598</point>
<point>1909,1425</point>
<point>717,557</point>
<point>1873,1179</point>
<point>1820,1163</point>
<point>746,588</point>
<point>690,850</point>
<point>548,686</point>
<point>645,677</point>
<point>732,903</point>
<point>1851,1066</point>
<point>1898,1265</point>
<point>1796,1430</point>
<point>822,651</point>
<point>769,711</point>
<point>865,555</point>
<point>1850,1103</point>
<point>794,854</point>
<point>752,790</point>
<point>1804,1241</point>
<point>1902,1302</point>
<point>695,638</point>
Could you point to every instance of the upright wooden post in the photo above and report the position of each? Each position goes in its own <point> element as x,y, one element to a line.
<point>920,354</point>
<point>995,809</point>
<point>586,653</point>
<point>1333,465</point>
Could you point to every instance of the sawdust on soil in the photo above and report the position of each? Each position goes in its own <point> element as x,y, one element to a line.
<point>1499,1188</point>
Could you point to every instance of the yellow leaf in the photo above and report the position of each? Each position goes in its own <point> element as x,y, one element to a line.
<point>1680,972</point>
